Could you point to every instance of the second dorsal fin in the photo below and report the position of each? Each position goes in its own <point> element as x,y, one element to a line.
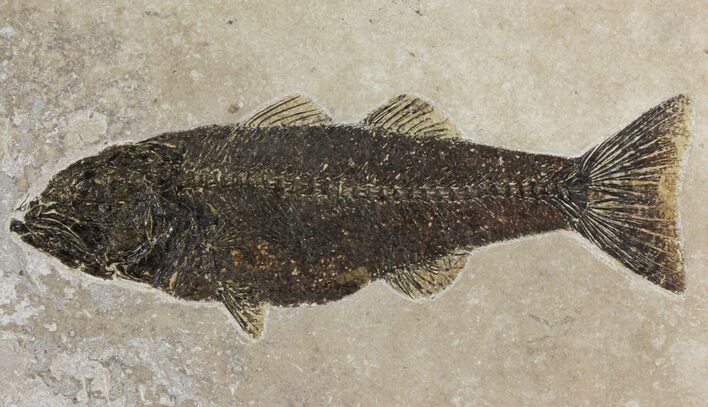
<point>411,115</point>
<point>296,110</point>
<point>420,282</point>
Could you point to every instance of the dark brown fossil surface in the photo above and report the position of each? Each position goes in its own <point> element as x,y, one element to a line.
<point>287,208</point>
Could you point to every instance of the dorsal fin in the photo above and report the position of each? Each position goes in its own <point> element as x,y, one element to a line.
<point>248,312</point>
<point>293,110</point>
<point>410,115</point>
<point>428,280</point>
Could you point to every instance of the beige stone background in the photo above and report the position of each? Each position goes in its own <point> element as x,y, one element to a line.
<point>539,321</point>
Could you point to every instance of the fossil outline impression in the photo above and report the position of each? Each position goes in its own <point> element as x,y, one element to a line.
<point>287,208</point>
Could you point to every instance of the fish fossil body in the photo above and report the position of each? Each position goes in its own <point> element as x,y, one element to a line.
<point>288,208</point>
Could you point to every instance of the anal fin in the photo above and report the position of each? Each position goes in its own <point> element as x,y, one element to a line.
<point>420,282</point>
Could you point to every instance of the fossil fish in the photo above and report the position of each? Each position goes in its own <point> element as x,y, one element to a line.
<point>287,208</point>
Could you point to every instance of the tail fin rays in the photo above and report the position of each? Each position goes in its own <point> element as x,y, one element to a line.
<point>630,208</point>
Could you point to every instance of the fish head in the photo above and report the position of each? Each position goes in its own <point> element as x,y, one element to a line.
<point>102,211</point>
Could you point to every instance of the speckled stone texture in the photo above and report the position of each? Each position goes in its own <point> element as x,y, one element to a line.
<point>539,321</point>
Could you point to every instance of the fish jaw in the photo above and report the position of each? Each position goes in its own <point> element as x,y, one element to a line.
<point>57,240</point>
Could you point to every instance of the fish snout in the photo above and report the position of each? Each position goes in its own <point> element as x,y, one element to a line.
<point>19,227</point>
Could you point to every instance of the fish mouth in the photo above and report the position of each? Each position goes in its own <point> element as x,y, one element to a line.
<point>26,233</point>
<point>17,226</point>
<point>51,233</point>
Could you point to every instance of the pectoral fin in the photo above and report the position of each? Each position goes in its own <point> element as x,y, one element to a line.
<point>427,280</point>
<point>294,110</point>
<point>410,115</point>
<point>241,303</point>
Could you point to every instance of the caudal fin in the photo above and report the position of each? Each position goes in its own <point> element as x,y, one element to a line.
<point>630,184</point>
